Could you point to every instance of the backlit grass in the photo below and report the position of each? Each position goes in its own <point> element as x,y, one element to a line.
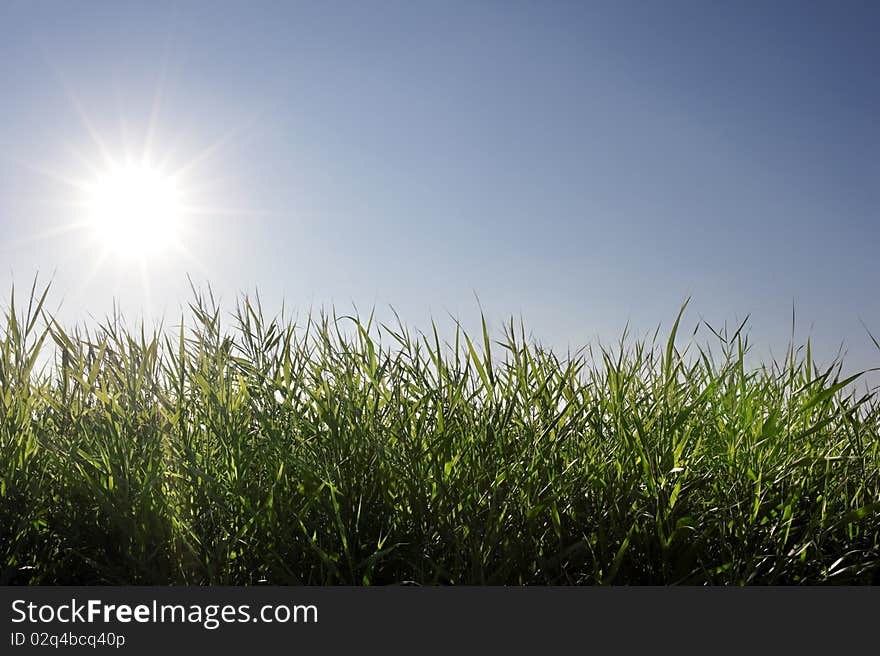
<point>237,448</point>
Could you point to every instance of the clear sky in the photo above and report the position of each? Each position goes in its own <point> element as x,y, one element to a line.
<point>579,164</point>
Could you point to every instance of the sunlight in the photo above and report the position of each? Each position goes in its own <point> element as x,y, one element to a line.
<point>134,209</point>
<point>137,203</point>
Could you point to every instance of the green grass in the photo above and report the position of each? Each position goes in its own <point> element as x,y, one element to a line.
<point>238,449</point>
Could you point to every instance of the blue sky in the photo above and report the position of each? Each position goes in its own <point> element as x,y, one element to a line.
<point>583,165</point>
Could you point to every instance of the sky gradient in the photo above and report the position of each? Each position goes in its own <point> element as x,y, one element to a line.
<point>582,165</point>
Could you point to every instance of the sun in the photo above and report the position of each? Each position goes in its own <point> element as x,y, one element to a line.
<point>134,209</point>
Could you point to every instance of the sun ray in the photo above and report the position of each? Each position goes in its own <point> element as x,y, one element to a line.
<point>92,271</point>
<point>217,210</point>
<point>211,149</point>
<point>187,253</point>
<point>148,292</point>
<point>55,176</point>
<point>124,132</point>
<point>49,233</point>
<point>158,97</point>
<point>93,133</point>
<point>93,168</point>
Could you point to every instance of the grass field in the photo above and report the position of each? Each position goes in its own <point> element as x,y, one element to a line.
<point>239,449</point>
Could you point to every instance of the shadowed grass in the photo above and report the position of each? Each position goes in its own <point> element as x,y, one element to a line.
<point>341,451</point>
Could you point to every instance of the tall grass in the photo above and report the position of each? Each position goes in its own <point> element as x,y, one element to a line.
<point>240,448</point>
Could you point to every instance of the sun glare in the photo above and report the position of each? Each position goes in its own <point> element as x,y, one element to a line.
<point>134,209</point>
